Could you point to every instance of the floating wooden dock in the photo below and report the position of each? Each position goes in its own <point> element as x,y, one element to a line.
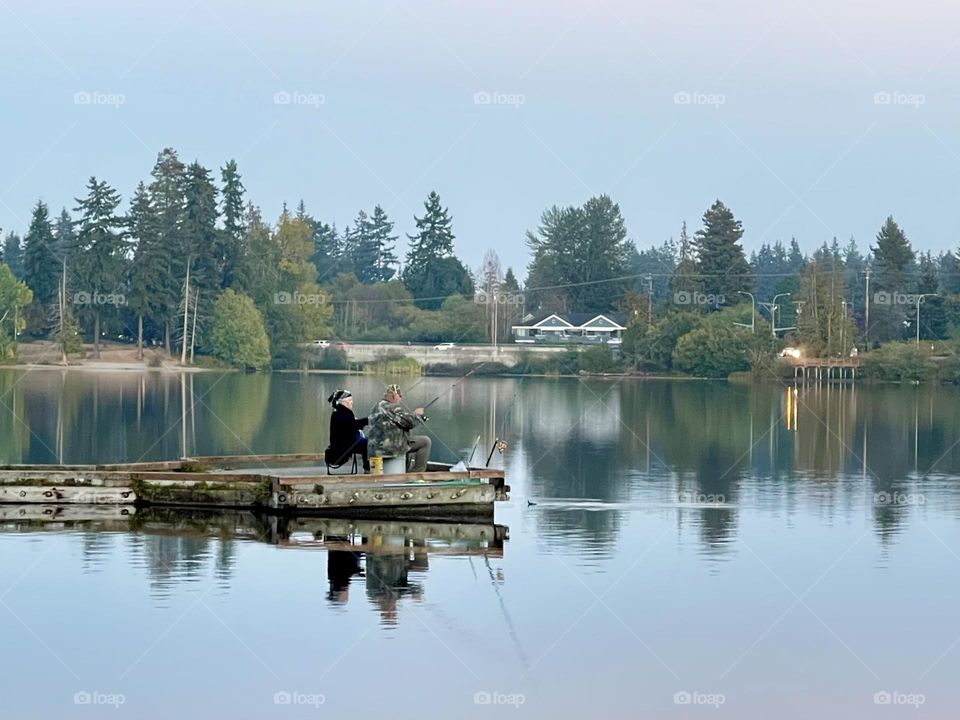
<point>382,537</point>
<point>278,484</point>
<point>820,369</point>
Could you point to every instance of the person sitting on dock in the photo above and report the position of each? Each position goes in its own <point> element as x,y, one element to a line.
<point>390,426</point>
<point>346,438</point>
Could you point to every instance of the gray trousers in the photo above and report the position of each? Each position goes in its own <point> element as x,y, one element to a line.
<point>418,453</point>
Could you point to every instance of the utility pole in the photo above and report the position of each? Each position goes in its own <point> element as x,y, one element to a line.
<point>866,315</point>
<point>920,298</point>
<point>753,311</point>
<point>649,279</point>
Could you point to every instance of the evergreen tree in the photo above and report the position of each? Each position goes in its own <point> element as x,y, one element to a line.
<point>933,316</point>
<point>150,260</point>
<point>380,235</point>
<point>167,200</point>
<point>854,266</point>
<point>100,256</point>
<point>41,268</point>
<point>433,271</point>
<point>363,249</point>
<point>13,254</point>
<point>235,255</point>
<point>721,264</point>
<point>948,273</point>
<point>327,257</point>
<point>65,238</point>
<point>685,281</point>
<point>893,261</point>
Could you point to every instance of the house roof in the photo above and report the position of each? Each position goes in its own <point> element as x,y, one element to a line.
<point>578,320</point>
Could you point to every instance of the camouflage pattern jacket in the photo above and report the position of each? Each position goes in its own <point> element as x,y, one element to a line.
<point>389,428</point>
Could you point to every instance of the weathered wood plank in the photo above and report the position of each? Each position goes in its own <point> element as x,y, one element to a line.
<point>225,461</point>
<point>65,494</point>
<point>496,552</point>
<point>427,477</point>
<point>386,497</point>
<point>476,532</point>
<point>206,477</point>
<point>66,513</point>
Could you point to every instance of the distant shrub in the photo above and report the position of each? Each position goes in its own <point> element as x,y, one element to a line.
<point>900,362</point>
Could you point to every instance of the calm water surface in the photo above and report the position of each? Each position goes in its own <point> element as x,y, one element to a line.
<point>693,550</point>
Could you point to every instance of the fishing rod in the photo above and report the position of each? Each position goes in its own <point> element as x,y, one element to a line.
<point>450,389</point>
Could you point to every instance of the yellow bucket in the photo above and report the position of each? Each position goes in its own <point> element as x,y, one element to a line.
<point>376,465</point>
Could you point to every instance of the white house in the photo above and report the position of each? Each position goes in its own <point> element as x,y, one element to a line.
<point>571,327</point>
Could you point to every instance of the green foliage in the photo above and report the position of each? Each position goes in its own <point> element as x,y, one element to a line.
<point>235,254</point>
<point>652,348</point>
<point>238,336</point>
<point>598,359</point>
<point>433,271</point>
<point>893,261</point>
<point>898,362</point>
<point>41,261</point>
<point>14,297</point>
<point>713,349</point>
<point>574,248</point>
<point>721,264</point>
<point>12,254</point>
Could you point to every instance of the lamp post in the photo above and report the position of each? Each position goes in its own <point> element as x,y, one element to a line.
<point>920,298</point>
<point>753,310</point>
<point>773,312</point>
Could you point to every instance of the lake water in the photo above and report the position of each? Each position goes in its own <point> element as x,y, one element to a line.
<point>693,549</point>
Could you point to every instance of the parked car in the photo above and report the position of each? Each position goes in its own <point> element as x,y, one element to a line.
<point>321,343</point>
<point>443,346</point>
<point>791,352</point>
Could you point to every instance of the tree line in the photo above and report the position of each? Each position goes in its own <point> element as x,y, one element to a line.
<point>189,265</point>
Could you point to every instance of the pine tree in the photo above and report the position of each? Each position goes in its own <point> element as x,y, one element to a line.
<point>65,238</point>
<point>41,268</point>
<point>167,200</point>
<point>432,270</point>
<point>101,247</point>
<point>149,260</point>
<point>893,260</point>
<point>327,256</point>
<point>235,255</point>
<point>685,281</point>
<point>721,264</point>
<point>364,250</point>
<point>13,254</point>
<point>381,235</point>
<point>933,316</point>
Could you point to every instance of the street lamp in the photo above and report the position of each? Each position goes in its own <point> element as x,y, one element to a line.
<point>753,312</point>
<point>920,298</point>
<point>773,313</point>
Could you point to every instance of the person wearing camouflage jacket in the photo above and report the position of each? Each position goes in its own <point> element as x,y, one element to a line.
<point>388,434</point>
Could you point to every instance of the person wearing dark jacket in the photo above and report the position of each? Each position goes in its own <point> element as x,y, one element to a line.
<point>346,438</point>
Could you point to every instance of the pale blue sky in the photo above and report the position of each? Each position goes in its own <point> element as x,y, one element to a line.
<point>794,140</point>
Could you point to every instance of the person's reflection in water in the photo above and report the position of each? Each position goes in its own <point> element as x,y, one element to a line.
<point>388,580</point>
<point>342,565</point>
